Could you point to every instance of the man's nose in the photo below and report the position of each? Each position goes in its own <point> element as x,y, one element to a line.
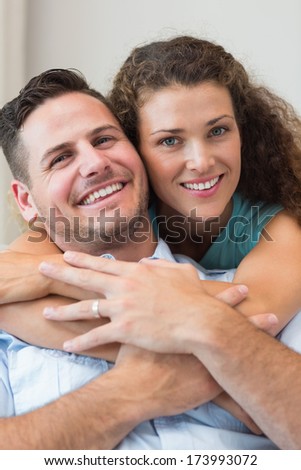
<point>93,161</point>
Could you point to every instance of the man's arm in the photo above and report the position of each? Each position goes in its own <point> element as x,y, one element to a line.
<point>142,386</point>
<point>76,421</point>
<point>270,390</point>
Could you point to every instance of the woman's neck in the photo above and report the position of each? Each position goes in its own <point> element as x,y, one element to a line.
<point>186,235</point>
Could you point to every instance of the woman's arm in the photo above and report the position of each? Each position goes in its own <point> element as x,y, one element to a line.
<point>20,278</point>
<point>272,271</point>
<point>25,321</point>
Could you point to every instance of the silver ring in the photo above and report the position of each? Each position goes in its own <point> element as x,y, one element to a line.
<point>95,309</point>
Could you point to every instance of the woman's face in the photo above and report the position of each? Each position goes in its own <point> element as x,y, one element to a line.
<point>190,144</point>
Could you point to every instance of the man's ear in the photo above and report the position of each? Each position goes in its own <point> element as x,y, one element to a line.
<point>24,200</point>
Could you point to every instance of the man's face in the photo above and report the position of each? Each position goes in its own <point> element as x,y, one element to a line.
<point>87,180</point>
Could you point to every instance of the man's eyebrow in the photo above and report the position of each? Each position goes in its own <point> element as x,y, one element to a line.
<point>105,127</point>
<point>55,149</point>
<point>65,145</point>
<point>209,123</point>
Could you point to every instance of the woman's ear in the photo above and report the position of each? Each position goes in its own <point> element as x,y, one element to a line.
<point>24,200</point>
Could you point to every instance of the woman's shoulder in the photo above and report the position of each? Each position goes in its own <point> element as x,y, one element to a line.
<point>250,210</point>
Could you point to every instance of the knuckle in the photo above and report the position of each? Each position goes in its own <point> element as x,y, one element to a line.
<point>82,307</point>
<point>125,304</point>
<point>128,285</point>
<point>83,277</point>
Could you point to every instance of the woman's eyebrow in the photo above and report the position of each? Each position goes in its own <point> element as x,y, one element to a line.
<point>179,129</point>
<point>175,130</point>
<point>215,120</point>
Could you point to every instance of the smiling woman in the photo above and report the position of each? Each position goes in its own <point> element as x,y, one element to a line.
<point>196,154</point>
<point>224,161</point>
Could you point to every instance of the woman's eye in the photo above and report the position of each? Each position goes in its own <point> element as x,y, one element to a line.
<point>218,131</point>
<point>169,141</point>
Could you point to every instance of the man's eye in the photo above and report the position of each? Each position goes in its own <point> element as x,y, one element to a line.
<point>59,159</point>
<point>218,131</point>
<point>169,141</point>
<point>103,140</point>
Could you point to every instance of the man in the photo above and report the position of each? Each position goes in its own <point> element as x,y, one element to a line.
<point>77,151</point>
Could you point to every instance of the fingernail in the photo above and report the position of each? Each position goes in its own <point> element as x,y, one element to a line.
<point>272,318</point>
<point>67,346</point>
<point>68,255</point>
<point>45,267</point>
<point>243,289</point>
<point>48,312</point>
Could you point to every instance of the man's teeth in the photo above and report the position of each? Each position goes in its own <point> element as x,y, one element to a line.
<point>201,186</point>
<point>112,188</point>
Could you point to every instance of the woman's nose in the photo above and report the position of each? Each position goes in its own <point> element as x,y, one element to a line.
<point>199,158</point>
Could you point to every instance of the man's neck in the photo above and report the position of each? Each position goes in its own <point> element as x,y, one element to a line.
<point>130,248</point>
<point>134,250</point>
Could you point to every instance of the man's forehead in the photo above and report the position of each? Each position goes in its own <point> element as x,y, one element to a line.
<point>72,112</point>
<point>69,103</point>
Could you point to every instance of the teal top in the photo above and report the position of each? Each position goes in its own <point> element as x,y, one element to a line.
<point>240,235</point>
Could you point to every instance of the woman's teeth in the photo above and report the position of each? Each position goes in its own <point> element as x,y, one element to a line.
<point>201,186</point>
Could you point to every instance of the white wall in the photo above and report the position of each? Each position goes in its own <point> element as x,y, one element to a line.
<point>95,36</point>
<point>12,76</point>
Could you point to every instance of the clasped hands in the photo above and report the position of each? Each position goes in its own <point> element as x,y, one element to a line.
<point>155,305</point>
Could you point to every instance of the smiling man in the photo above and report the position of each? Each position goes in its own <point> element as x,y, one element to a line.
<point>84,180</point>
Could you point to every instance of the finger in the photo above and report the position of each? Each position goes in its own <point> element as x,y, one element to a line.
<point>265,321</point>
<point>226,402</point>
<point>84,310</point>
<point>248,421</point>
<point>233,295</point>
<point>83,278</point>
<point>96,337</point>
<point>104,265</point>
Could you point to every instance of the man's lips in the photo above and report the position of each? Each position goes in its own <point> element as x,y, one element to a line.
<point>101,193</point>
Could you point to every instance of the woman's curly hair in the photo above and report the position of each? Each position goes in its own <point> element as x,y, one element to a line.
<point>269,127</point>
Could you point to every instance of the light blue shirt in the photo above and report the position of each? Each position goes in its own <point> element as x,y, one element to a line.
<point>31,376</point>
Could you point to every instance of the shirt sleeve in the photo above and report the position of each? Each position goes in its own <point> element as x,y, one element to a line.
<point>6,396</point>
<point>291,334</point>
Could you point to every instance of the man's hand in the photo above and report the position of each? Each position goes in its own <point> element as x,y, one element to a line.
<point>154,305</point>
<point>143,301</point>
<point>169,383</point>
